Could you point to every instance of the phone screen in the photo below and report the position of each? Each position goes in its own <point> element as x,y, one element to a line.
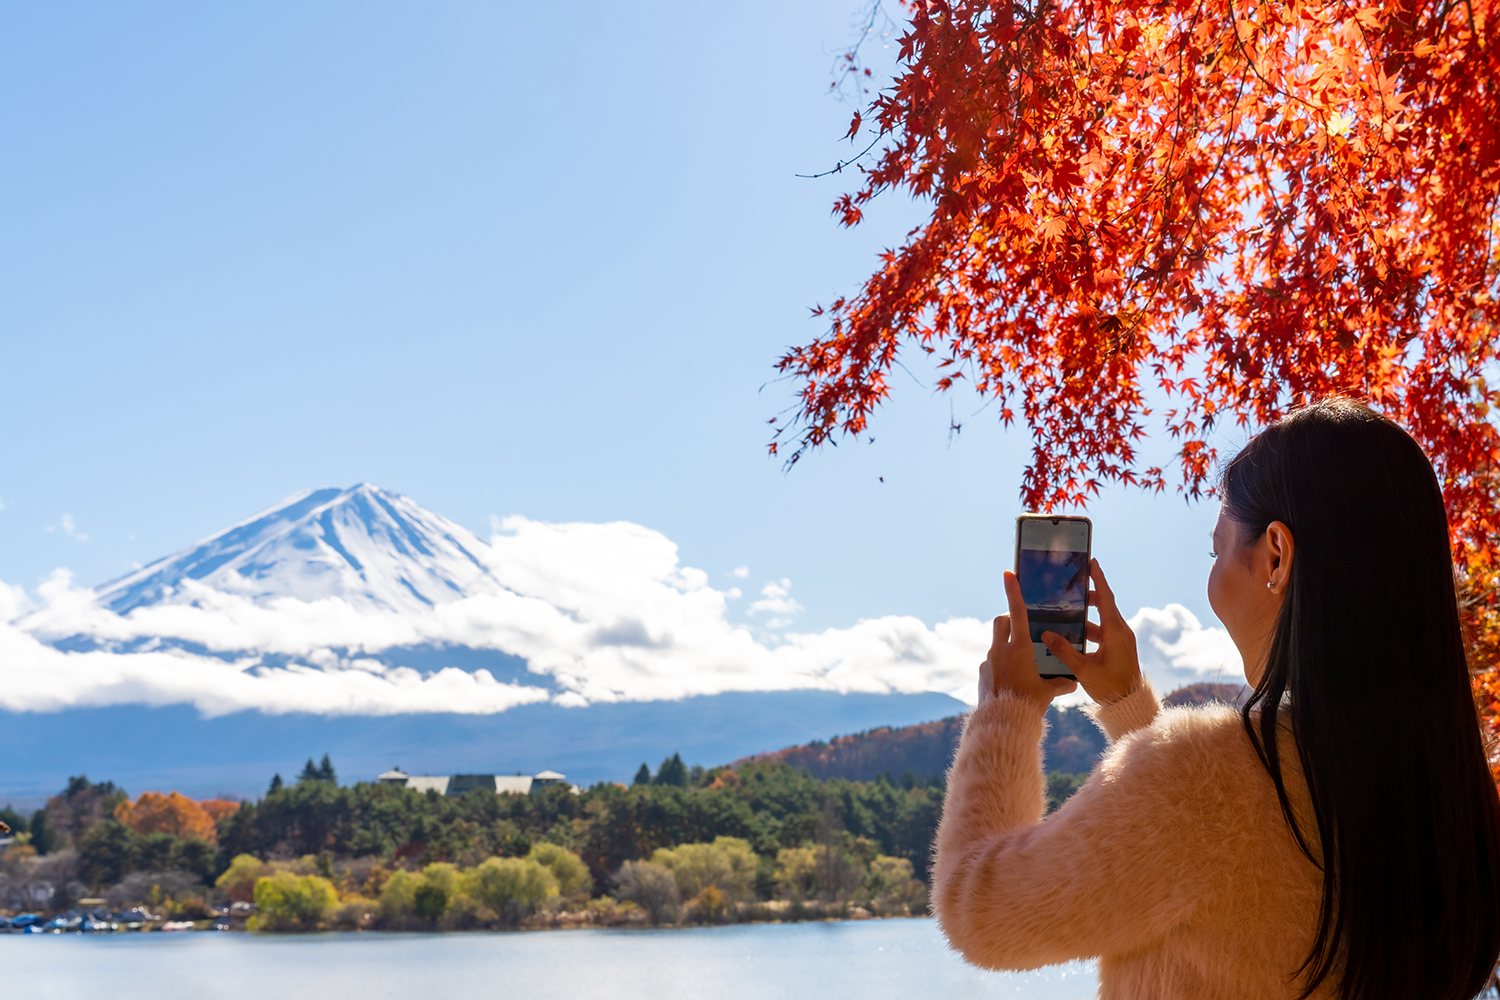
<point>1052,565</point>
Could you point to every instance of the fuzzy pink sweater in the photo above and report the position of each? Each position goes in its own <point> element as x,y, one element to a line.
<point>1173,864</point>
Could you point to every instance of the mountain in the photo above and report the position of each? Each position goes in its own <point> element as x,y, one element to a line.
<point>1233,695</point>
<point>365,545</point>
<point>142,748</point>
<point>357,623</point>
<point>1073,745</point>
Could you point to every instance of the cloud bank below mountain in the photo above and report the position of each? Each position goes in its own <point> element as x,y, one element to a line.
<point>599,613</point>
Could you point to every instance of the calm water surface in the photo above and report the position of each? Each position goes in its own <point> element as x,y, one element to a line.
<point>867,960</point>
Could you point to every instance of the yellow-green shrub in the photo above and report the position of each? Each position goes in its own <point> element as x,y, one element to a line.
<point>284,901</point>
<point>727,864</point>
<point>239,878</point>
<point>397,897</point>
<point>512,887</point>
<point>573,878</point>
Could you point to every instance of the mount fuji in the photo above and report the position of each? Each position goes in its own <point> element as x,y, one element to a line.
<point>357,623</point>
<point>363,545</point>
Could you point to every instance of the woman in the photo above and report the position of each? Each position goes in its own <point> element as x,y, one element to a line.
<point>1336,838</point>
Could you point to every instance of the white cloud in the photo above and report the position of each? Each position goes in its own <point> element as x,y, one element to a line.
<point>599,612</point>
<point>69,527</point>
<point>739,571</point>
<point>1176,649</point>
<point>40,678</point>
<point>776,599</point>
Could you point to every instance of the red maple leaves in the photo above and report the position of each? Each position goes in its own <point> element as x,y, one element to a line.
<point>1238,204</point>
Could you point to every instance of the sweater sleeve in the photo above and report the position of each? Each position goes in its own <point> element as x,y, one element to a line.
<point>1136,710</point>
<point>1124,861</point>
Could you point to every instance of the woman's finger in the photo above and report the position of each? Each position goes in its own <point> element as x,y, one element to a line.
<point>1057,686</point>
<point>1020,624</point>
<point>1093,632</point>
<point>1063,650</point>
<point>1000,630</point>
<point>1105,598</point>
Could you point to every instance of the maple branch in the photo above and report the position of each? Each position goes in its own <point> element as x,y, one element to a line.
<point>844,163</point>
<point>847,64</point>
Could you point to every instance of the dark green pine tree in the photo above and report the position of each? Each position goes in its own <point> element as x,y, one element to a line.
<point>643,776</point>
<point>41,833</point>
<point>673,772</point>
<point>325,771</point>
<point>275,784</point>
<point>309,772</point>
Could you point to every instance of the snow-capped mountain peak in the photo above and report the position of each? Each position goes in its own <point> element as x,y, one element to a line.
<point>366,545</point>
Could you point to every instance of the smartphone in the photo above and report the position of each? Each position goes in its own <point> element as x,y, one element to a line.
<point>1052,565</point>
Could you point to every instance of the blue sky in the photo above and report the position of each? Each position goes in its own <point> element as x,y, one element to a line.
<point>502,258</point>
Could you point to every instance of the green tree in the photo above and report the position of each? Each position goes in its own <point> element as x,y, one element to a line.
<point>41,833</point>
<point>887,875</point>
<point>673,772</point>
<point>573,878</point>
<point>512,887</point>
<point>796,873</point>
<point>728,864</point>
<point>284,901</point>
<point>325,770</point>
<point>643,776</point>
<point>398,897</point>
<point>107,853</point>
<point>429,901</point>
<point>1061,786</point>
<point>890,888</point>
<point>16,821</point>
<point>276,784</point>
<point>445,876</point>
<point>193,855</point>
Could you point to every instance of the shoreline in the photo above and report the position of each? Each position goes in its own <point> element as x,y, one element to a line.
<point>530,925</point>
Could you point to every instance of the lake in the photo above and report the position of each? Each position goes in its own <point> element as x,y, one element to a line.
<point>862,960</point>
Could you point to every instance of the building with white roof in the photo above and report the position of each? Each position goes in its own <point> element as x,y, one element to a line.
<point>458,784</point>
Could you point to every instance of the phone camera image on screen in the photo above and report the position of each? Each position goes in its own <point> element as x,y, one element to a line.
<point>1052,566</point>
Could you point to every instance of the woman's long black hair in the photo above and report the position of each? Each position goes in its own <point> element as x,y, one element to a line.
<point>1368,660</point>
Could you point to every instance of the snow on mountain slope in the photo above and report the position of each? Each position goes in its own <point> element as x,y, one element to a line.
<point>363,545</point>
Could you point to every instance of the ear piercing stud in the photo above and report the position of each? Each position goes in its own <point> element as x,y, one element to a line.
<point>1268,584</point>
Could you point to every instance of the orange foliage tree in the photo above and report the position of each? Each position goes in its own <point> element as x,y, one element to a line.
<point>1223,206</point>
<point>218,809</point>
<point>173,813</point>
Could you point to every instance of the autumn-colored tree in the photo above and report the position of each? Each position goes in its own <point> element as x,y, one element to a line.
<point>218,809</point>
<point>1192,213</point>
<point>173,813</point>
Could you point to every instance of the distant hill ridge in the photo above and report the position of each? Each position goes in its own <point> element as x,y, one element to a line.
<point>1074,744</point>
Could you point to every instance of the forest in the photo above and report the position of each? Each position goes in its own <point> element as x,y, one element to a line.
<point>835,827</point>
<point>760,841</point>
<point>787,838</point>
<point>832,828</point>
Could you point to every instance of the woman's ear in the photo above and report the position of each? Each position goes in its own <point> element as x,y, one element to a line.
<point>1278,556</point>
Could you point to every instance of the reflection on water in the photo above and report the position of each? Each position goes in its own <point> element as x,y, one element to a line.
<point>865,960</point>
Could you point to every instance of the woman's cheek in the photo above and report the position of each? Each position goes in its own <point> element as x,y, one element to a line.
<point>1216,589</point>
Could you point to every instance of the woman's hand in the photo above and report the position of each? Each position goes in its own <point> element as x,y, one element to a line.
<point>1113,670</point>
<point>1011,664</point>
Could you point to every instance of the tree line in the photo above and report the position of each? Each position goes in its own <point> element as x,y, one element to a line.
<point>809,843</point>
<point>790,839</point>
